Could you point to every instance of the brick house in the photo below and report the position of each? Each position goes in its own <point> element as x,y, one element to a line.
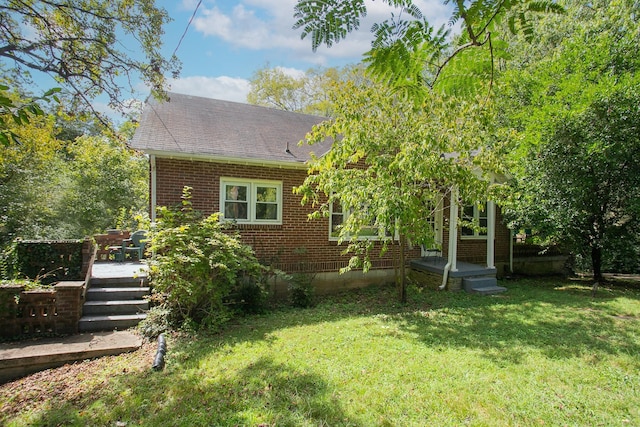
<point>244,160</point>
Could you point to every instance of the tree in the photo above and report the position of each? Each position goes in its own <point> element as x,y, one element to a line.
<point>392,161</point>
<point>54,188</point>
<point>416,131</point>
<point>103,178</point>
<point>573,99</point>
<point>409,53</point>
<point>81,44</point>
<point>307,93</point>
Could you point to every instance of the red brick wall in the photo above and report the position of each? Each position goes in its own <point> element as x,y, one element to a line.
<point>273,244</point>
<point>278,244</point>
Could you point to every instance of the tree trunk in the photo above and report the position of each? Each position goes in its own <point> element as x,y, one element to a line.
<point>596,262</point>
<point>402,282</point>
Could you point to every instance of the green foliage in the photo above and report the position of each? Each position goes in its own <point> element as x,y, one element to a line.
<point>44,262</point>
<point>197,264</point>
<point>391,161</point>
<point>19,114</point>
<point>307,93</point>
<point>572,98</point>
<point>53,189</point>
<point>250,296</point>
<point>91,47</point>
<point>407,52</point>
<point>157,322</point>
<point>302,293</point>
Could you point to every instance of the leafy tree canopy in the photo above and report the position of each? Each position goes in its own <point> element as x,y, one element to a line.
<point>407,51</point>
<point>573,100</point>
<point>80,43</point>
<point>307,93</point>
<point>393,161</point>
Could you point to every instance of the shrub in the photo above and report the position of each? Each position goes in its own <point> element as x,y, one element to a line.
<point>197,264</point>
<point>249,297</point>
<point>156,322</point>
<point>301,290</point>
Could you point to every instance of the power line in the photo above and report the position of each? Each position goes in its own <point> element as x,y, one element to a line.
<point>186,29</point>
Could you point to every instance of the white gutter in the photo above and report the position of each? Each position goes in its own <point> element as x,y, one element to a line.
<point>453,238</point>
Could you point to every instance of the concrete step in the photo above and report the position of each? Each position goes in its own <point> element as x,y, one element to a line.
<point>91,308</point>
<point>469,283</point>
<point>21,358</point>
<point>488,290</point>
<point>121,282</point>
<point>109,322</point>
<point>115,294</point>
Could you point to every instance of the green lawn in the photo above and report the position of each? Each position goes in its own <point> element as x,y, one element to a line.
<point>545,353</point>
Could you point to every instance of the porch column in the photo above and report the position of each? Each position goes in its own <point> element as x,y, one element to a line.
<point>453,229</point>
<point>491,233</point>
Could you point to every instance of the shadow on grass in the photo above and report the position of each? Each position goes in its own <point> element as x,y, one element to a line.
<point>554,317</point>
<point>264,393</point>
<point>558,318</point>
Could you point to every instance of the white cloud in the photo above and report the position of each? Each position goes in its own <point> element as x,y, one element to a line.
<point>223,87</point>
<point>267,24</point>
<point>291,72</point>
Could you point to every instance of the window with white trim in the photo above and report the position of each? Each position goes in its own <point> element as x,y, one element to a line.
<point>476,215</point>
<point>338,215</point>
<point>251,201</point>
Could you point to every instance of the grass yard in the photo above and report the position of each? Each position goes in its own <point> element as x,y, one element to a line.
<point>545,353</point>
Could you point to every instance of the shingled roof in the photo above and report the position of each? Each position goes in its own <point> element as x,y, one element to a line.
<point>191,126</point>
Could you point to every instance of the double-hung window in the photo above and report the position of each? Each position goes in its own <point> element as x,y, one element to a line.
<point>251,201</point>
<point>476,215</point>
<point>338,215</point>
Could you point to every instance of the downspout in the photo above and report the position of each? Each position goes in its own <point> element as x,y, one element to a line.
<point>153,201</point>
<point>453,238</point>
<point>511,251</point>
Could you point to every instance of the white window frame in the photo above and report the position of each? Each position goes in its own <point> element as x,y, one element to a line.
<point>435,220</point>
<point>345,215</point>
<point>479,214</point>
<point>252,199</point>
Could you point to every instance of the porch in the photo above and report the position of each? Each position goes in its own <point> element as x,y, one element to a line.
<point>430,271</point>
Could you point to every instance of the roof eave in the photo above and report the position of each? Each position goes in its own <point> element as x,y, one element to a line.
<point>280,164</point>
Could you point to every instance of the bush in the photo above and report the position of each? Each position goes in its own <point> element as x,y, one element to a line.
<point>250,297</point>
<point>301,290</point>
<point>156,322</point>
<point>197,264</point>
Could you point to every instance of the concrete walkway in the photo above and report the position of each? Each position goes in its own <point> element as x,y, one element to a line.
<point>21,358</point>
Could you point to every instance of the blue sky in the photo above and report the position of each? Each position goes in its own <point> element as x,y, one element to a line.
<point>229,40</point>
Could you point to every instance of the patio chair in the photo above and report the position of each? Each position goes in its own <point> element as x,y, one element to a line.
<point>134,244</point>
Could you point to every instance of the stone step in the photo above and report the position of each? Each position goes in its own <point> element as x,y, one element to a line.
<point>119,282</point>
<point>109,323</point>
<point>488,290</point>
<point>469,283</point>
<point>114,307</point>
<point>115,294</point>
<point>22,358</point>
